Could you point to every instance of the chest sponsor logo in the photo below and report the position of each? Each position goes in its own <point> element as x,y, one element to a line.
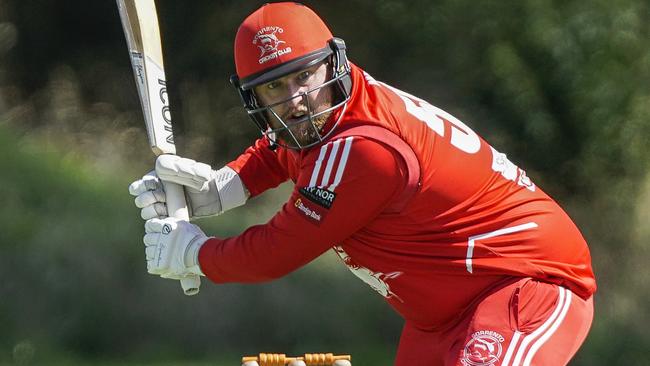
<point>484,349</point>
<point>308,210</point>
<point>319,196</point>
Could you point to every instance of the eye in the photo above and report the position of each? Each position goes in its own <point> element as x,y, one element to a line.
<point>304,75</point>
<point>273,85</point>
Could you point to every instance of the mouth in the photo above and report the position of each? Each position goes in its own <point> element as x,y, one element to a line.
<point>295,117</point>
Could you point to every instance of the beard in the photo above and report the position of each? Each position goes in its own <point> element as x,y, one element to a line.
<point>305,130</point>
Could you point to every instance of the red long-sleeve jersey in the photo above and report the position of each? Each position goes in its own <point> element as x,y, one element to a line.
<point>413,201</point>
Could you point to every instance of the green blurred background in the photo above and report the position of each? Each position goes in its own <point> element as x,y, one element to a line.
<point>562,87</point>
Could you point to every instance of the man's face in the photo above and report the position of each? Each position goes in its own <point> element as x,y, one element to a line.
<point>298,91</point>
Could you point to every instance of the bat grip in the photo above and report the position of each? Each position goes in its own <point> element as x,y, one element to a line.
<point>177,208</point>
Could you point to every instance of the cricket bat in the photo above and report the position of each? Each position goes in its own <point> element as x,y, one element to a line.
<point>142,32</point>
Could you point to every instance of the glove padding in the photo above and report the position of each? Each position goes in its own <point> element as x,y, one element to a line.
<point>150,197</point>
<point>185,172</point>
<point>172,247</point>
<point>207,192</point>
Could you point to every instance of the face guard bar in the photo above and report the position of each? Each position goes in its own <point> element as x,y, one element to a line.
<point>341,83</point>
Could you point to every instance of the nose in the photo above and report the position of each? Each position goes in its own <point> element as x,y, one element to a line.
<point>296,92</point>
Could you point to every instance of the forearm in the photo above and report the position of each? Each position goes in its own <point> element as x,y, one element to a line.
<point>248,258</point>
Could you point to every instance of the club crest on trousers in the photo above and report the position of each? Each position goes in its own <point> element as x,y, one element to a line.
<point>484,349</point>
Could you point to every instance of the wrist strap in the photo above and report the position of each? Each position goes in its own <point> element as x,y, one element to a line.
<point>191,255</point>
<point>232,192</point>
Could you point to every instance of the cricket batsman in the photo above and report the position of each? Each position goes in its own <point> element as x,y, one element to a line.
<point>485,268</point>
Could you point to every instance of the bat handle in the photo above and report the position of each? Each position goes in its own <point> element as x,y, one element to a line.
<point>177,208</point>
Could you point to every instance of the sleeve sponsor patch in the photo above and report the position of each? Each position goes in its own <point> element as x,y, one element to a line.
<point>311,212</point>
<point>320,196</point>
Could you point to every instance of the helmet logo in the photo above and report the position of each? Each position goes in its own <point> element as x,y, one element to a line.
<point>267,41</point>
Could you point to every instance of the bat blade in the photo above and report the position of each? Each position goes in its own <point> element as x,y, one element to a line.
<point>140,23</point>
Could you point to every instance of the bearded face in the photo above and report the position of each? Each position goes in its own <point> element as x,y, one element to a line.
<point>299,105</point>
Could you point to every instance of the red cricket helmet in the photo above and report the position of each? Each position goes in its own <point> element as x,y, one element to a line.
<point>279,39</point>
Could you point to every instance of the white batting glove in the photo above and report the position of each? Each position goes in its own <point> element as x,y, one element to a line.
<point>149,196</point>
<point>208,192</point>
<point>172,247</point>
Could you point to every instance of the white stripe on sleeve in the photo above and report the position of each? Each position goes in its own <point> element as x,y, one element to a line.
<point>314,174</point>
<point>330,163</point>
<point>342,163</point>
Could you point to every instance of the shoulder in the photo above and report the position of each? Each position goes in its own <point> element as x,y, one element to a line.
<point>350,157</point>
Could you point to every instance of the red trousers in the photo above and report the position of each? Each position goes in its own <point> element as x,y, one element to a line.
<point>526,323</point>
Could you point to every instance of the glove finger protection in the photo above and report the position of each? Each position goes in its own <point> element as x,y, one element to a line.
<point>172,247</point>
<point>151,239</point>
<point>149,251</point>
<point>148,182</point>
<point>157,210</point>
<point>149,196</point>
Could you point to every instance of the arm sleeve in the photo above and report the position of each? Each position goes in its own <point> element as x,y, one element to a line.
<point>358,179</point>
<point>260,168</point>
